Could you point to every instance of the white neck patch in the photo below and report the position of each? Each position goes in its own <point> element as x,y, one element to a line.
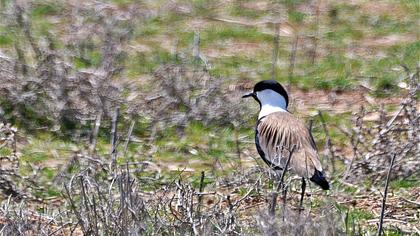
<point>271,102</point>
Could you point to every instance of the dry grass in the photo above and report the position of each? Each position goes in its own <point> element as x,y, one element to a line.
<point>72,85</point>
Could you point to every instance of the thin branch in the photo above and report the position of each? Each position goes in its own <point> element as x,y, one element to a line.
<point>285,167</point>
<point>410,201</point>
<point>114,135</point>
<point>130,131</point>
<point>200,197</point>
<point>292,58</point>
<point>95,132</point>
<point>276,45</point>
<point>329,142</point>
<point>73,207</point>
<point>316,36</point>
<point>196,46</point>
<point>238,147</point>
<point>273,201</point>
<point>381,219</point>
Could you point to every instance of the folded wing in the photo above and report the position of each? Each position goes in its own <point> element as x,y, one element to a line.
<point>277,133</point>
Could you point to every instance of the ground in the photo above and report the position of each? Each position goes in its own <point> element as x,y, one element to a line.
<point>348,56</point>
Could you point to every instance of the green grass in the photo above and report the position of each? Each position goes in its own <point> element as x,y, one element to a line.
<point>236,32</point>
<point>42,9</point>
<point>404,183</point>
<point>296,16</point>
<point>49,173</point>
<point>353,218</point>
<point>200,144</point>
<point>386,25</point>
<point>237,10</point>
<point>35,157</point>
<point>411,6</point>
<point>91,59</point>
<point>195,180</point>
<point>204,8</point>
<point>338,138</point>
<point>334,71</point>
<point>151,28</point>
<point>6,38</point>
<point>123,3</point>
<point>145,63</point>
<point>227,66</point>
<point>385,72</point>
<point>44,146</point>
<point>5,151</point>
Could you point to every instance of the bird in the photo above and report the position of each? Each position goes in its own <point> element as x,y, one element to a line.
<point>279,134</point>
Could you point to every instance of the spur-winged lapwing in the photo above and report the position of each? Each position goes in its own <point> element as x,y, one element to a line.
<point>277,132</point>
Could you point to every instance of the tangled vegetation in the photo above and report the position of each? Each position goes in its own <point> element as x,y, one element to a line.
<point>125,117</point>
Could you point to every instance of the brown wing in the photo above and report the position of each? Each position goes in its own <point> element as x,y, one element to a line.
<point>277,133</point>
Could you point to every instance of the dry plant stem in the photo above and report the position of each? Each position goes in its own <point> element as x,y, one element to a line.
<point>316,36</point>
<point>200,197</point>
<point>311,123</point>
<point>25,26</point>
<point>276,45</point>
<point>21,63</point>
<point>355,141</point>
<point>76,212</point>
<point>381,219</point>
<point>410,201</point>
<point>302,194</point>
<point>238,147</point>
<point>280,186</point>
<point>114,135</point>
<point>329,142</point>
<point>95,132</point>
<point>231,219</point>
<point>130,131</point>
<point>284,204</point>
<point>190,212</point>
<point>196,46</point>
<point>389,125</point>
<point>292,58</point>
<point>349,166</point>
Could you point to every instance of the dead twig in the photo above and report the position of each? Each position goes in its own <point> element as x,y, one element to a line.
<point>200,197</point>
<point>381,219</point>
<point>276,45</point>
<point>130,131</point>
<point>74,209</point>
<point>273,201</point>
<point>411,202</point>
<point>329,142</point>
<point>292,57</point>
<point>95,132</point>
<point>114,136</point>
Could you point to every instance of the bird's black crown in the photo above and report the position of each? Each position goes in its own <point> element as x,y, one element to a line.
<point>273,85</point>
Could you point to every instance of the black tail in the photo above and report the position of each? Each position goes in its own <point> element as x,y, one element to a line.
<point>319,179</point>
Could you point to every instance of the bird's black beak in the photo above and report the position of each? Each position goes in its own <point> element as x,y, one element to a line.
<point>251,94</point>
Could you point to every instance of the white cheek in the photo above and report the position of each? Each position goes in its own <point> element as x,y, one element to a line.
<point>271,102</point>
<point>269,97</point>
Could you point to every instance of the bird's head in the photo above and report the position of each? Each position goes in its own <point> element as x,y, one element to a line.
<point>269,93</point>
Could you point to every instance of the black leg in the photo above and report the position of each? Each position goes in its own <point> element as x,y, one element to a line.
<point>303,193</point>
